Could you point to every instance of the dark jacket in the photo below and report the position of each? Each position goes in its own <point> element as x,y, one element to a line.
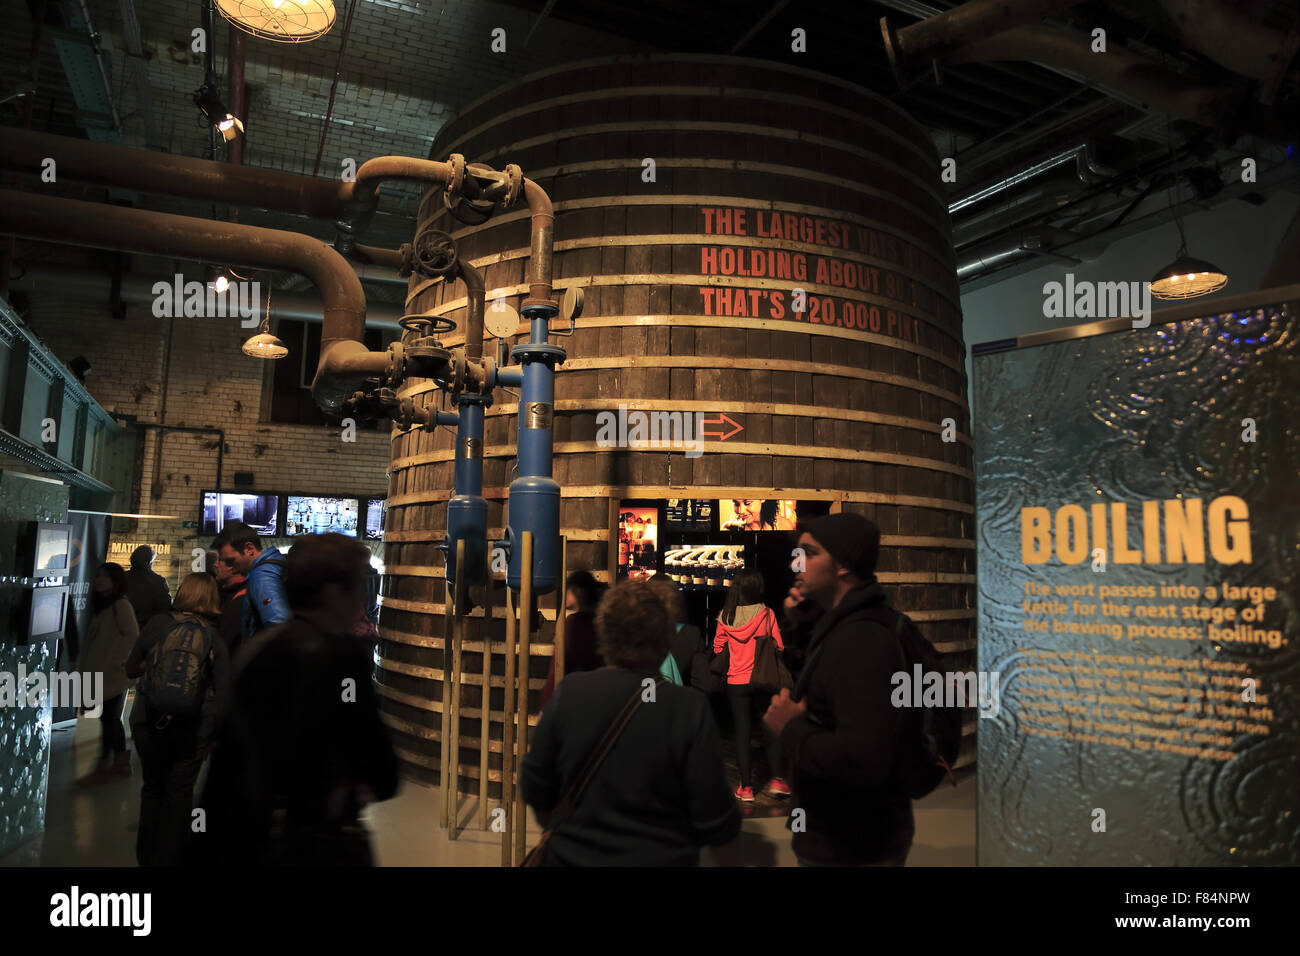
<point>796,627</point>
<point>842,754</point>
<point>148,593</point>
<point>231,623</point>
<point>580,652</point>
<point>297,749</point>
<point>684,645</point>
<point>661,794</point>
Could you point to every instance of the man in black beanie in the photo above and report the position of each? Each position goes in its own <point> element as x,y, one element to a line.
<point>838,728</point>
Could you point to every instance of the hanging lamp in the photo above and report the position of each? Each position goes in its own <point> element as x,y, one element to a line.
<point>1185,277</point>
<point>265,345</point>
<point>285,21</point>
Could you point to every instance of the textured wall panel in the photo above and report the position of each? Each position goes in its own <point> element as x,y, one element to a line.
<point>24,731</point>
<point>1184,777</point>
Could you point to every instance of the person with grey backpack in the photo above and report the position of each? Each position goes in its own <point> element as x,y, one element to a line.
<point>184,672</point>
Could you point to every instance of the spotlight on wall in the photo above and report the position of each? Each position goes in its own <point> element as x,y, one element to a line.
<point>208,100</point>
<point>80,366</point>
<point>219,280</point>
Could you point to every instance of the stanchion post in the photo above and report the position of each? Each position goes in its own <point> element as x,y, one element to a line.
<point>485,725</point>
<point>560,597</point>
<point>525,627</point>
<point>458,635</point>
<point>444,752</point>
<point>508,733</point>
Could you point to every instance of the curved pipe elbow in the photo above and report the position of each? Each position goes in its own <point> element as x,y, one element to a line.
<point>361,196</point>
<point>476,303</point>
<point>345,364</point>
<point>541,253</point>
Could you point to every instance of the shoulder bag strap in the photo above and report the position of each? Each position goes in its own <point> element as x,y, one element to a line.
<point>569,802</point>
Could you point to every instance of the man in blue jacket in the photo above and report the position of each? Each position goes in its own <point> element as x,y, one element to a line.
<point>263,569</point>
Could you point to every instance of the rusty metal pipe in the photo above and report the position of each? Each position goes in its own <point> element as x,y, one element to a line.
<point>375,255</point>
<point>541,253</point>
<point>1230,39</point>
<point>937,36</point>
<point>1127,74</point>
<point>361,196</point>
<point>154,172</point>
<point>342,367</point>
<point>476,299</point>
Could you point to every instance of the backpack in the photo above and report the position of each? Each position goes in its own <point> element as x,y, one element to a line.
<point>933,734</point>
<point>177,677</point>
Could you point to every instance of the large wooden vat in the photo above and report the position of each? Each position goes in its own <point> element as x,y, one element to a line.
<point>822,186</point>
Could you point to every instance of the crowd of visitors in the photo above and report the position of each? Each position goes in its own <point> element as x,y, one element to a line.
<point>259,672</point>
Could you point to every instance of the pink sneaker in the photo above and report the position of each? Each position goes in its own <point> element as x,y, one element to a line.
<point>745,794</point>
<point>776,787</point>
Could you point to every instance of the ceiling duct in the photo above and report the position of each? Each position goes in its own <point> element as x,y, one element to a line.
<point>1128,75</point>
<point>935,38</point>
<point>137,289</point>
<point>1039,241</point>
<point>1215,30</point>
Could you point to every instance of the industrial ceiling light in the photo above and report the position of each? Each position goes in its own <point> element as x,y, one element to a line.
<point>209,102</point>
<point>285,21</point>
<point>265,345</point>
<point>1186,278</point>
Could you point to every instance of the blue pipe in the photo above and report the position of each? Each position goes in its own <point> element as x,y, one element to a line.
<point>467,509</point>
<point>535,495</point>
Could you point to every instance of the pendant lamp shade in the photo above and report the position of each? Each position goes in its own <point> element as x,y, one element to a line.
<point>264,345</point>
<point>1186,278</point>
<point>286,21</point>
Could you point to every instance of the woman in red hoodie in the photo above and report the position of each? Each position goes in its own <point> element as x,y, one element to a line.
<point>745,617</point>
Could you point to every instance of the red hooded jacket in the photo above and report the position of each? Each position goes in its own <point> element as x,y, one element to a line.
<point>740,639</point>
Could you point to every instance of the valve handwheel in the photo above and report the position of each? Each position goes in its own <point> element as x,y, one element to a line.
<point>435,253</point>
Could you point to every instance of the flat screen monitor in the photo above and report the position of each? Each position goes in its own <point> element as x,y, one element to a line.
<point>756,514</point>
<point>375,508</point>
<point>689,514</point>
<point>48,613</point>
<point>52,546</point>
<point>638,537</point>
<point>310,514</point>
<point>259,512</point>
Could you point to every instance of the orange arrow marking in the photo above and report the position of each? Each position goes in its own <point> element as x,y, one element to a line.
<point>737,427</point>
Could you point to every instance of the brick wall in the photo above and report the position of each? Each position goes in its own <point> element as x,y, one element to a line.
<point>208,382</point>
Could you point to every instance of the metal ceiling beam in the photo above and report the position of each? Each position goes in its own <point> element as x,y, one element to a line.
<point>139,73</point>
<point>761,22</point>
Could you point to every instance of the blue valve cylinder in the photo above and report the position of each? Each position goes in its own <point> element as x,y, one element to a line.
<point>535,495</point>
<point>535,507</point>
<point>467,510</point>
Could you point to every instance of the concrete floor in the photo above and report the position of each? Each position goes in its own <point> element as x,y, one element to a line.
<point>96,826</point>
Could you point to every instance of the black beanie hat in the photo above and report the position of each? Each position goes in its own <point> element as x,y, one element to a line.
<point>852,540</point>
